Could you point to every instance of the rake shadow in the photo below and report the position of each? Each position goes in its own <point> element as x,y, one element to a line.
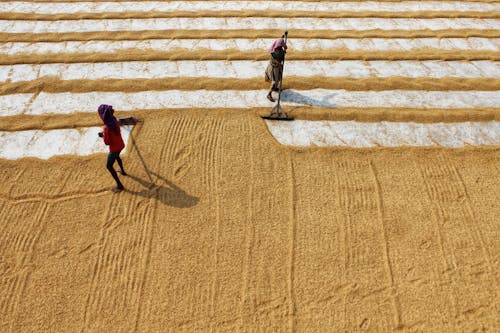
<point>165,191</point>
<point>161,189</point>
<point>291,96</point>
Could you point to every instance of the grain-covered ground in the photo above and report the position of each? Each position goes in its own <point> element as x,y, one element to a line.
<point>380,212</point>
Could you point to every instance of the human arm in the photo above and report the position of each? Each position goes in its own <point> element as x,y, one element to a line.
<point>105,135</point>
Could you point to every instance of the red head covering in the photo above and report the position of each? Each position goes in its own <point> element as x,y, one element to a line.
<point>277,45</point>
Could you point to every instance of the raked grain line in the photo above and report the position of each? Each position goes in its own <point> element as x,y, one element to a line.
<point>446,192</point>
<point>376,84</point>
<point>171,135</point>
<point>147,217</point>
<point>213,168</point>
<point>438,222</point>
<point>264,307</point>
<point>333,233</point>
<point>105,261</point>
<point>93,292</point>
<point>20,171</point>
<point>21,244</point>
<point>358,201</point>
<point>181,155</point>
<point>226,167</point>
<point>75,181</point>
<point>325,309</point>
<point>124,256</point>
<point>381,216</point>
<point>78,183</point>
<point>207,142</point>
<point>171,132</point>
<point>38,60</point>
<point>423,115</point>
<point>122,260</point>
<point>8,278</point>
<point>174,137</point>
<point>344,216</point>
<point>69,176</point>
<point>455,187</point>
<point>246,305</point>
<point>292,299</point>
<point>473,229</point>
<point>445,253</point>
<point>178,136</point>
<point>30,37</point>
<point>6,209</point>
<point>57,198</point>
<point>138,263</point>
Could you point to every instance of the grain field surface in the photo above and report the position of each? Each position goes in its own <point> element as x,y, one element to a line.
<point>376,210</point>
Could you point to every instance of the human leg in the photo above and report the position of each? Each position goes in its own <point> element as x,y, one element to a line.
<point>109,165</point>
<point>120,164</point>
<point>269,94</point>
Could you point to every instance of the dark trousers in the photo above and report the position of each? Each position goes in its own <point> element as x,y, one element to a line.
<point>112,157</point>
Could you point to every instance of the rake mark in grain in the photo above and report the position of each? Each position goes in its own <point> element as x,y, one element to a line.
<point>127,256</point>
<point>358,204</point>
<point>473,225</point>
<point>393,288</point>
<point>171,136</point>
<point>55,85</point>
<point>174,135</point>
<point>13,181</point>
<point>246,306</point>
<point>90,302</point>
<point>454,216</point>
<point>133,54</point>
<point>122,265</point>
<point>146,246</point>
<point>213,170</point>
<point>183,147</point>
<point>292,250</point>
<point>20,244</point>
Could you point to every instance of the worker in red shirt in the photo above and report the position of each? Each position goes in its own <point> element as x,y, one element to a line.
<point>112,138</point>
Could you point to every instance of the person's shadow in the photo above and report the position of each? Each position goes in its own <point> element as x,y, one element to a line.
<point>291,96</point>
<point>165,191</point>
<point>161,189</point>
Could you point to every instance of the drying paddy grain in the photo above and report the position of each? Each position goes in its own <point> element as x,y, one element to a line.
<point>375,210</point>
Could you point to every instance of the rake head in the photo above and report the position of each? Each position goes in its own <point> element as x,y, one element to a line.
<point>128,121</point>
<point>277,113</point>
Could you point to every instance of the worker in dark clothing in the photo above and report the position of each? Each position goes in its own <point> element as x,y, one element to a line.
<point>112,138</point>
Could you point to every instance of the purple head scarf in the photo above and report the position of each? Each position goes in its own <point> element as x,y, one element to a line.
<point>106,113</point>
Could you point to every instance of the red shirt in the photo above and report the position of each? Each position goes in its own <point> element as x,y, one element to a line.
<point>113,139</point>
